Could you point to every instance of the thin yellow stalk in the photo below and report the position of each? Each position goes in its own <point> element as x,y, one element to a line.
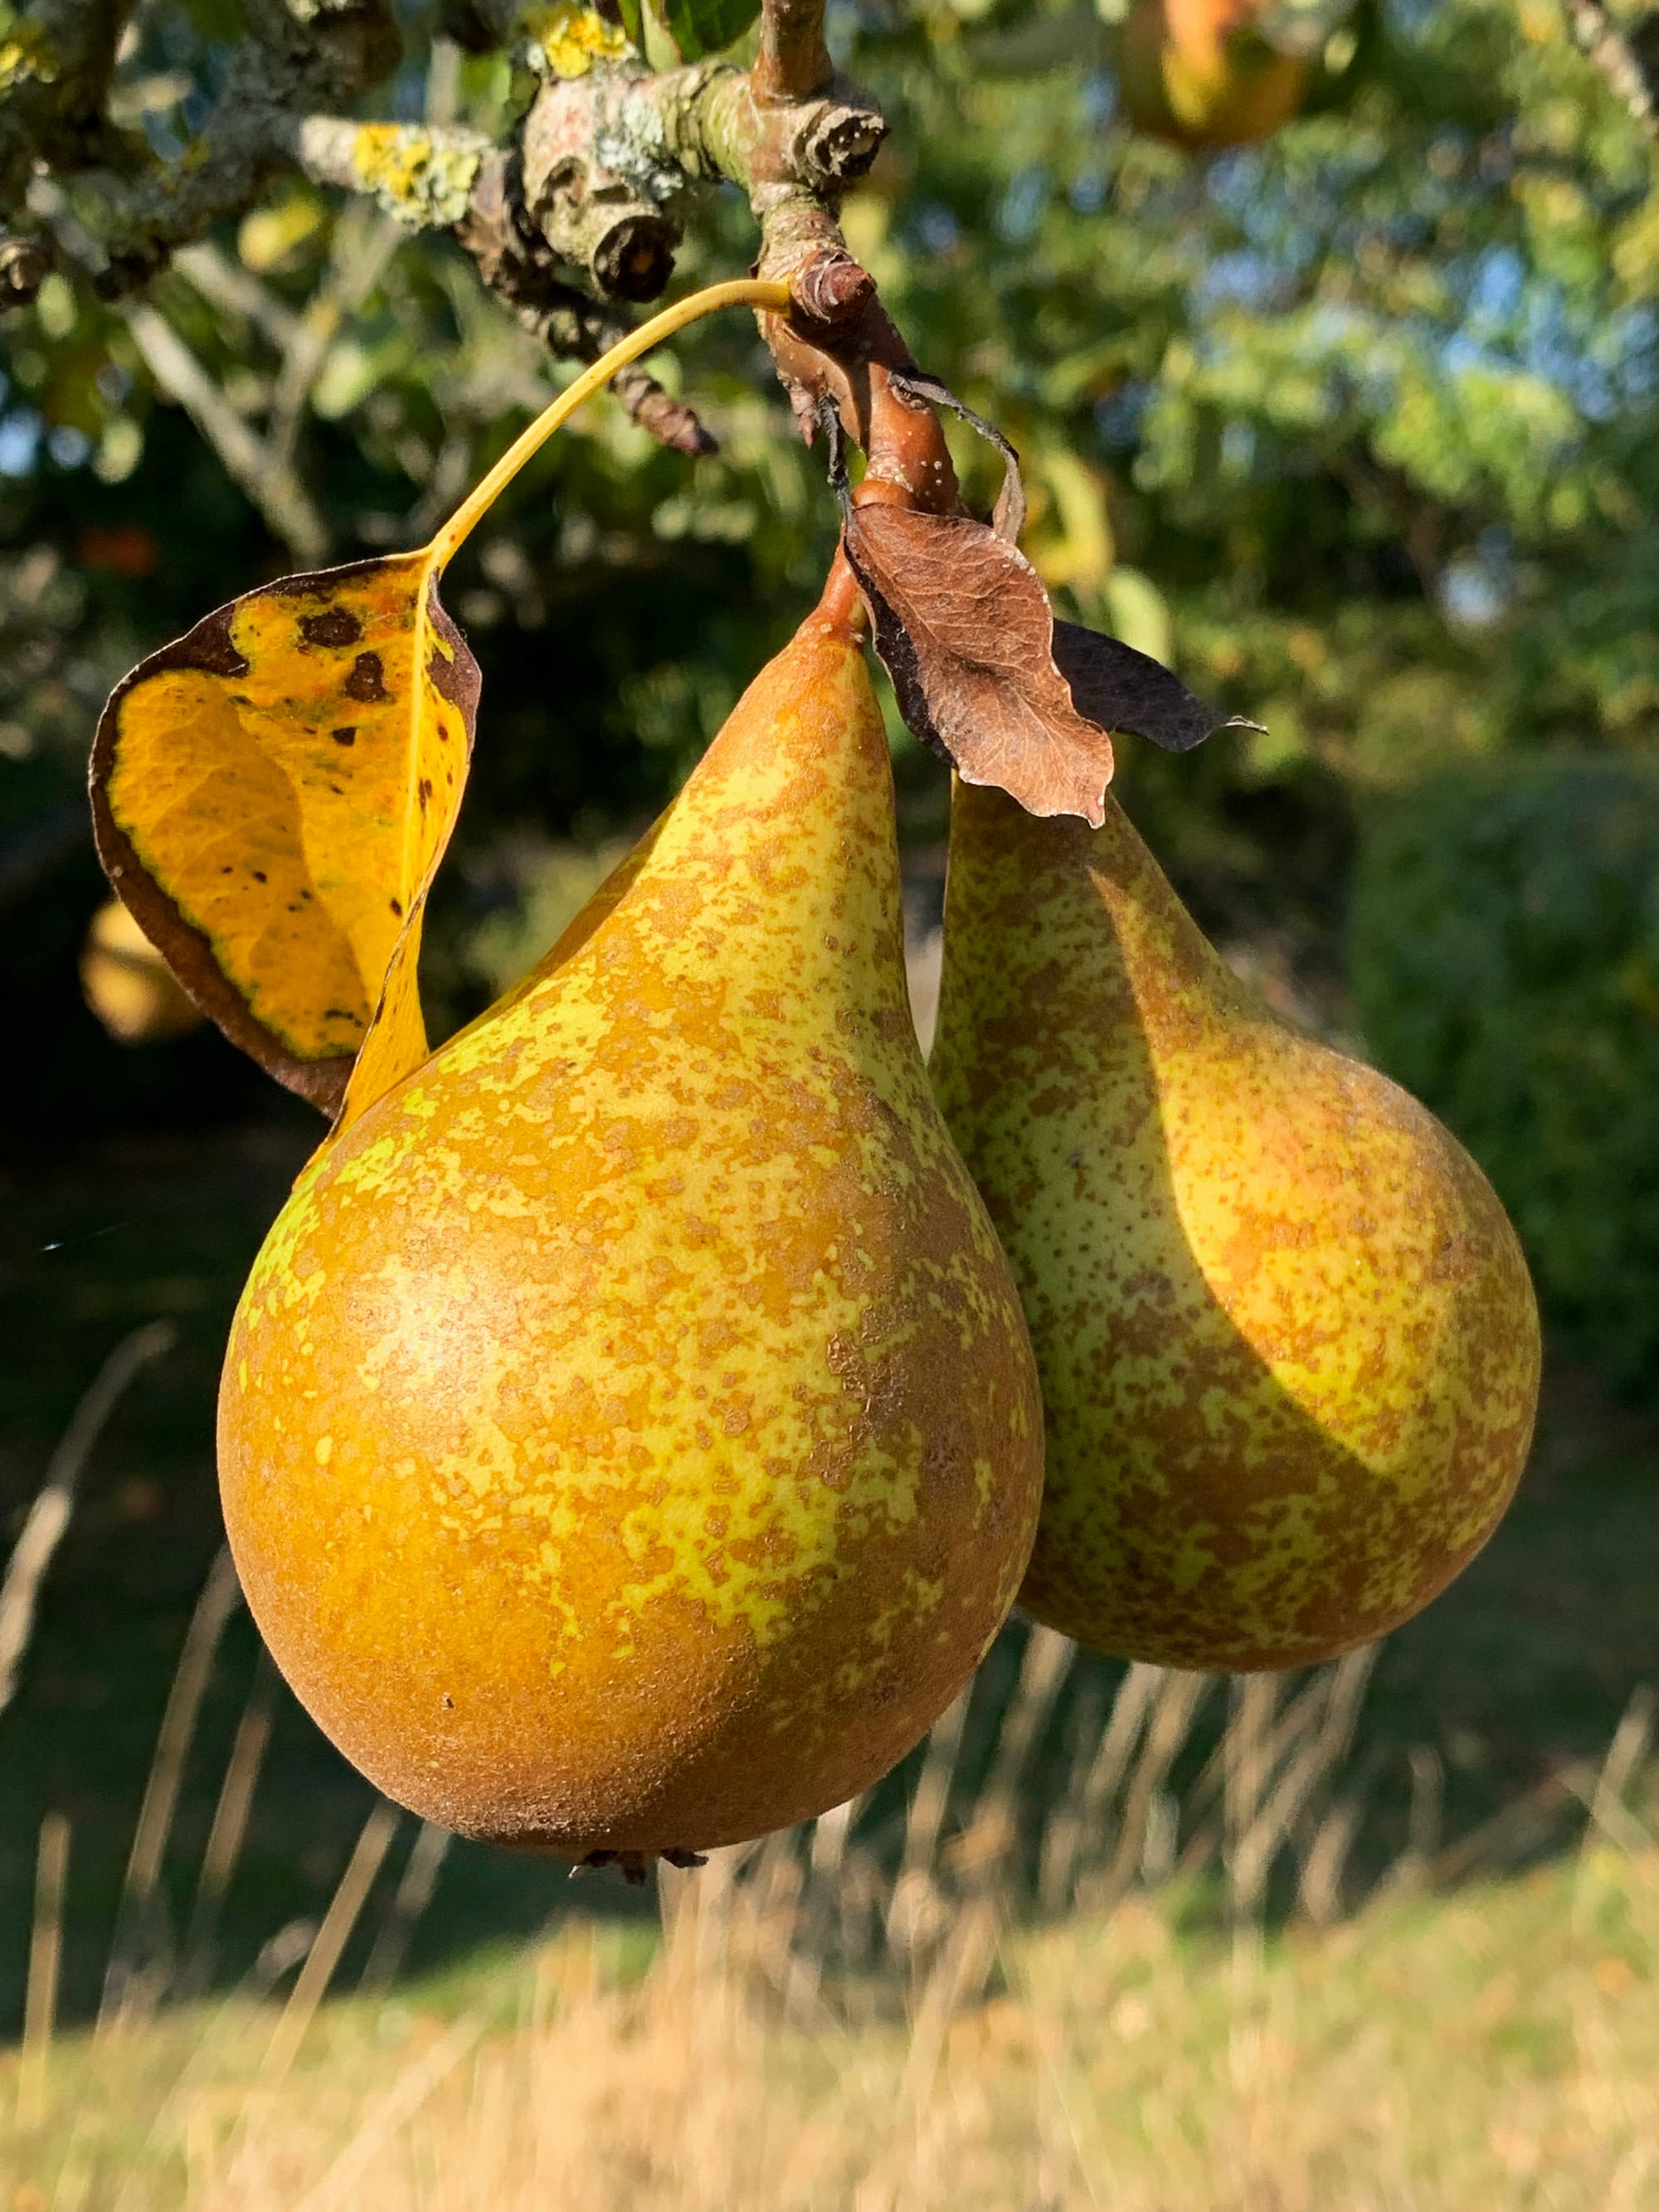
<point>48,1518</point>
<point>230,1816</point>
<point>743,292</point>
<point>420,1879</point>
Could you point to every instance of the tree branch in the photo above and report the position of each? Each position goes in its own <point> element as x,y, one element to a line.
<point>1628,60</point>
<point>268,480</point>
<point>605,170</point>
<point>792,62</point>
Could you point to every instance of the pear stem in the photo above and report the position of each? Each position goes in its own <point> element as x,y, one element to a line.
<point>743,292</point>
<point>840,609</point>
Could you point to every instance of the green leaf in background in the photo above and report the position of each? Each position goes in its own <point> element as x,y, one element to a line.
<point>704,27</point>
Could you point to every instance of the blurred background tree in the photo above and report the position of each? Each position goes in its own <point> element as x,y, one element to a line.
<point>1358,426</point>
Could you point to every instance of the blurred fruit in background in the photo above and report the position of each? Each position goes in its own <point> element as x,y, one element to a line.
<point>1200,74</point>
<point>127,983</point>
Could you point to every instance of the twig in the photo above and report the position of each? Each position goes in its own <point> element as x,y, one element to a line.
<point>270,481</point>
<point>792,62</point>
<point>1629,62</point>
<point>49,1516</point>
<point>224,284</point>
<point>361,251</point>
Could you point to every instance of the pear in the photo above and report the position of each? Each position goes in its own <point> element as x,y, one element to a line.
<point>1199,73</point>
<point>1288,1344</point>
<point>629,1437</point>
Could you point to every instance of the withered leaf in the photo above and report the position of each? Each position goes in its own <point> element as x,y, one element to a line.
<point>1123,689</point>
<point>271,794</point>
<point>966,629</point>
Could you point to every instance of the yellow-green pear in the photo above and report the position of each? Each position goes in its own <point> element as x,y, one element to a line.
<point>629,1437</point>
<point>1288,1345</point>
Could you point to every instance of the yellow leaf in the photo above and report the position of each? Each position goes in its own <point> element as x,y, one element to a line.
<point>272,793</point>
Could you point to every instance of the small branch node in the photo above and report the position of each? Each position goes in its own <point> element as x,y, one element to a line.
<point>830,288</point>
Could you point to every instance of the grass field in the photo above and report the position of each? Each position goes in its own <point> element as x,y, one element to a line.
<point>1498,2048</point>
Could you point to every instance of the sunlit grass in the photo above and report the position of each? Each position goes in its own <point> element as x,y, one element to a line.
<point>1497,2047</point>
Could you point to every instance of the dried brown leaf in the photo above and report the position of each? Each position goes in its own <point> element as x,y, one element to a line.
<point>964,627</point>
<point>1123,689</point>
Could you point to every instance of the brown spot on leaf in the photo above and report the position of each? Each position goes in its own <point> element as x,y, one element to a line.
<point>367,682</point>
<point>454,675</point>
<point>335,626</point>
<point>345,735</point>
<point>208,646</point>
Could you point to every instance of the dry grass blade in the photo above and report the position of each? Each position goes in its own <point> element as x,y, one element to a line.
<point>1247,1768</point>
<point>1102,1778</point>
<point>49,1516</point>
<point>990,1835</point>
<point>824,1861</point>
<point>1172,1708</point>
<point>410,1900</point>
<point>1062,1837</point>
<point>1625,1754</point>
<point>230,1815</point>
<point>915,1906</point>
<point>332,1939</point>
<point>392,2111</point>
<point>129,1978</point>
<point>46,1955</point>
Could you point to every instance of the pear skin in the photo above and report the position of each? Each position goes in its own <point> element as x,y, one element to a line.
<point>1288,1344</point>
<point>630,1438</point>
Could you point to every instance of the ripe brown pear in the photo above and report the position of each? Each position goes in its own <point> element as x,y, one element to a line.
<point>1288,1344</point>
<point>630,1438</point>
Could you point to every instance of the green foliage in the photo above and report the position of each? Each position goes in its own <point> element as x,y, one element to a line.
<point>704,27</point>
<point>1505,941</point>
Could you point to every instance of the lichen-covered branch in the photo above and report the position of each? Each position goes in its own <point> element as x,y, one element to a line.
<point>422,174</point>
<point>522,269</point>
<point>295,55</point>
<point>586,207</point>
